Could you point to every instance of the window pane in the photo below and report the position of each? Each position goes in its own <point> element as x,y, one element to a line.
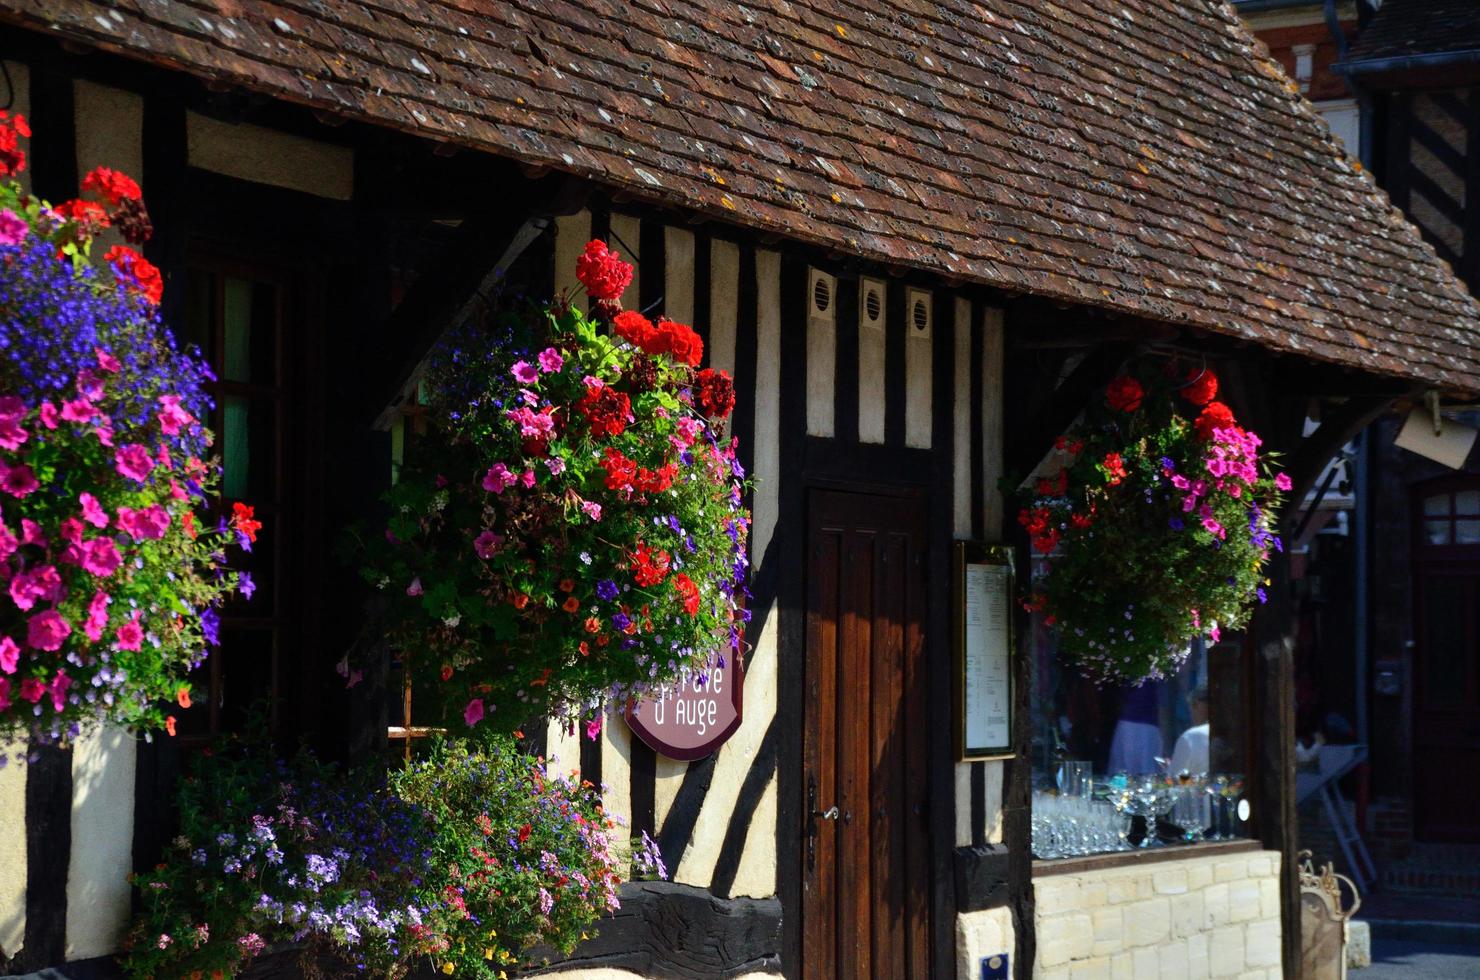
<point>1445,641</point>
<point>1467,532</point>
<point>1437,504</point>
<point>1436,532</point>
<point>200,313</point>
<point>236,447</point>
<point>238,342</point>
<point>1467,502</point>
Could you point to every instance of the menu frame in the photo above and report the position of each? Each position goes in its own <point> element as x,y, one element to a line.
<point>969,699</point>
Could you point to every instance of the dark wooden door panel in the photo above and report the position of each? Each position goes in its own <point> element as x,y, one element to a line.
<point>865,885</point>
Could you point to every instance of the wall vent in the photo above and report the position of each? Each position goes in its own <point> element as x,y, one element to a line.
<point>921,312</point>
<point>871,303</point>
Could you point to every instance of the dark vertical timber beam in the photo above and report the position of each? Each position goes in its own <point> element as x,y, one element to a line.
<point>1280,419</point>
<point>48,825</point>
<point>978,528</point>
<point>845,363</point>
<point>651,255</point>
<point>165,160</point>
<point>1469,269</point>
<point>940,817</point>
<point>897,331</point>
<point>789,549</point>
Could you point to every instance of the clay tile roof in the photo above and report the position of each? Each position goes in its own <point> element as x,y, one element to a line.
<point>1144,156</point>
<point>1408,28</point>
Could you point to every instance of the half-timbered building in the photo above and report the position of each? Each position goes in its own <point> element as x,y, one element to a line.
<point>920,236</point>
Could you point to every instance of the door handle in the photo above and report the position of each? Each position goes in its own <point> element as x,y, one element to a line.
<point>831,813</point>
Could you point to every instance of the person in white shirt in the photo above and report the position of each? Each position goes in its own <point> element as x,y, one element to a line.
<point>1190,754</point>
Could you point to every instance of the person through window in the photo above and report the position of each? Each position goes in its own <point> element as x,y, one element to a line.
<point>1190,754</point>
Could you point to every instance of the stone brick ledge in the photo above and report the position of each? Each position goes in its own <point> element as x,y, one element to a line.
<point>1195,917</point>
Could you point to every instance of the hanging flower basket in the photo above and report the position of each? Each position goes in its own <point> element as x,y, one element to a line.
<point>112,572</point>
<point>1155,528</point>
<point>568,528</point>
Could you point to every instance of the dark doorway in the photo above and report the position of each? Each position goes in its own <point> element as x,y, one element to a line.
<point>1446,703</point>
<point>865,884</point>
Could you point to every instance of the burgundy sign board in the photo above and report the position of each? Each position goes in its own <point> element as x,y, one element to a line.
<point>689,720</point>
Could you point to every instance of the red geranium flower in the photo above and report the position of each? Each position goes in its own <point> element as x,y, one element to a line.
<point>1216,416</point>
<point>1201,387</point>
<point>633,327</point>
<point>606,410</point>
<point>603,272</point>
<point>716,393</point>
<point>1124,394</point>
<point>12,157</point>
<point>686,588</point>
<point>1114,467</point>
<point>113,186</point>
<point>649,567</point>
<point>130,265</point>
<point>242,520</point>
<point>678,340</point>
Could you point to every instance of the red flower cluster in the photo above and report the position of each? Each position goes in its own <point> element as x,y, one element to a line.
<point>114,186</point>
<point>1114,467</point>
<point>624,474</point>
<point>1056,486</point>
<point>606,410</point>
<point>1216,416</point>
<point>650,567</point>
<point>669,337</point>
<point>1038,523</point>
<point>1124,394</point>
<point>243,520</point>
<point>716,393</point>
<point>1201,387</point>
<point>603,272</point>
<point>137,272</point>
<point>12,157</point>
<point>685,587</point>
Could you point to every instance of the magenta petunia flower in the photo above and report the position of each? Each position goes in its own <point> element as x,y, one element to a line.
<point>47,630</point>
<point>49,415</point>
<point>550,360</point>
<point>58,687</point>
<point>525,373</point>
<point>78,410</point>
<point>473,713</point>
<point>13,228</point>
<point>106,361</point>
<point>173,418</point>
<point>10,655</point>
<point>133,461</point>
<point>12,435</point>
<point>92,511</point>
<point>32,689</point>
<point>498,478</point>
<point>97,616</point>
<point>19,481</point>
<point>486,544</point>
<point>131,634</point>
<point>1282,481</point>
<point>100,557</point>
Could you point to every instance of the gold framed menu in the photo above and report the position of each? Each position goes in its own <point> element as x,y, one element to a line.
<point>983,593</point>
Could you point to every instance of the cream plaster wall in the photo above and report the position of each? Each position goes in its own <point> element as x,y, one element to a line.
<point>267,156</point>
<point>103,764</point>
<point>1197,918</point>
<point>12,851</point>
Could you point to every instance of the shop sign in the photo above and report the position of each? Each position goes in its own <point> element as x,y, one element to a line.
<point>692,717</point>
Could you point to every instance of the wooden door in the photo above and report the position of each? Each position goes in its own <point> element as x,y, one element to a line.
<point>1446,695</point>
<point>865,885</point>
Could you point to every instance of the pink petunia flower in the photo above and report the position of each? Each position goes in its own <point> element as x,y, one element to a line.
<point>97,616</point>
<point>1211,525</point>
<point>106,361</point>
<point>592,382</point>
<point>19,481</point>
<point>131,634</point>
<point>173,418</point>
<point>49,415</point>
<point>13,228</point>
<point>100,557</point>
<point>78,410</point>
<point>32,689</point>
<point>133,461</point>
<point>47,630</point>
<point>40,583</point>
<point>487,544</point>
<point>527,478</point>
<point>498,478</point>
<point>525,373</point>
<point>550,360</point>
<point>593,728</point>
<point>414,589</point>
<point>92,511</point>
<point>10,655</point>
<point>12,435</point>
<point>1282,481</point>
<point>58,687</point>
<point>473,713</point>
<point>104,434</point>
<point>12,409</point>
<point>145,524</point>
<point>8,542</point>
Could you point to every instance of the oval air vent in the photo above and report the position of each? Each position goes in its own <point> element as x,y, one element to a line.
<point>872,305</point>
<point>821,295</point>
<point>920,315</point>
